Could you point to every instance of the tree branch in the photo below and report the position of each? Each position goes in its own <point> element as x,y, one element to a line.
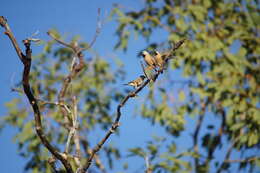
<point>196,135</point>
<point>148,165</point>
<point>75,69</point>
<point>116,124</point>
<point>228,153</point>
<point>26,60</point>
<point>73,129</point>
<point>248,159</point>
<point>176,46</point>
<point>88,151</point>
<point>8,32</point>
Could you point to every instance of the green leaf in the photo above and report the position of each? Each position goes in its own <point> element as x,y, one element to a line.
<point>181,96</point>
<point>137,152</point>
<point>237,126</point>
<point>253,139</point>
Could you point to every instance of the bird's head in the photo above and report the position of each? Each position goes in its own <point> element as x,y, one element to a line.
<point>156,52</point>
<point>144,53</point>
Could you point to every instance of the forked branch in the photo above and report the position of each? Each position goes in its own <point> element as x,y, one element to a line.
<point>26,60</point>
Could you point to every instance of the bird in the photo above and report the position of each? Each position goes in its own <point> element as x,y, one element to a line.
<point>159,59</point>
<point>137,82</point>
<point>149,59</point>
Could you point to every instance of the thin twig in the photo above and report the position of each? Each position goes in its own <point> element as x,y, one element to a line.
<point>26,60</point>
<point>55,103</point>
<point>89,152</point>
<point>60,41</point>
<point>75,134</point>
<point>147,163</point>
<point>78,150</point>
<point>74,124</point>
<point>196,135</point>
<point>248,159</point>
<point>228,153</point>
<point>8,32</point>
<point>98,29</point>
<point>222,129</point>
<point>173,49</point>
<point>97,161</point>
<point>224,163</point>
<point>75,69</point>
<point>18,90</point>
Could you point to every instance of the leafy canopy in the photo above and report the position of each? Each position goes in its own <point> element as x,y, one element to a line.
<point>222,66</point>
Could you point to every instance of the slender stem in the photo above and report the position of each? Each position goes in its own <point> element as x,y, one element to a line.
<point>248,159</point>
<point>196,135</point>
<point>228,153</point>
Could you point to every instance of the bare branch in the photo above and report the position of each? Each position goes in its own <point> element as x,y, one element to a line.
<point>8,32</point>
<point>178,44</point>
<point>78,150</point>
<point>175,46</point>
<point>147,163</point>
<point>18,90</point>
<point>75,69</point>
<point>116,123</point>
<point>222,129</point>
<point>59,40</point>
<point>228,153</point>
<point>55,103</point>
<point>26,60</point>
<point>97,161</point>
<point>75,134</point>
<point>74,124</point>
<point>98,28</point>
<point>89,152</point>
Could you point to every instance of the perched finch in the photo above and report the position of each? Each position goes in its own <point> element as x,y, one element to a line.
<point>137,82</point>
<point>149,59</point>
<point>159,59</point>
